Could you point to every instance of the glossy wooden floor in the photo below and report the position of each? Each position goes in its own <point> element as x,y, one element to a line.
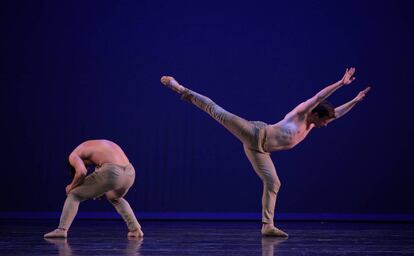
<point>105,237</point>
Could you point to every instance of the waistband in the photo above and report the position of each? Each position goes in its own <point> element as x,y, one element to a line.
<point>262,140</point>
<point>115,165</point>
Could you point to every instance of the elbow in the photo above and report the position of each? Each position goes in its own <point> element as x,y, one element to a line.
<point>72,158</point>
<point>338,114</point>
<point>320,98</point>
<point>81,173</point>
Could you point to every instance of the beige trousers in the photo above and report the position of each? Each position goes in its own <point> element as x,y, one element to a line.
<point>250,133</point>
<point>113,180</point>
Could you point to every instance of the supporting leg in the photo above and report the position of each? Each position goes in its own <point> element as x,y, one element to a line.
<point>93,186</point>
<point>124,209</point>
<point>265,169</point>
<point>70,209</point>
<point>122,206</point>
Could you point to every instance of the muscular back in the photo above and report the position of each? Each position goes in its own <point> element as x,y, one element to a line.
<point>99,152</point>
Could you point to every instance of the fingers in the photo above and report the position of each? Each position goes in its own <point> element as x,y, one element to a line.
<point>361,95</point>
<point>366,90</point>
<point>350,71</point>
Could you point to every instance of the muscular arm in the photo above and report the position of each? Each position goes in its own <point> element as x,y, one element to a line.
<point>311,103</point>
<point>80,171</point>
<point>345,108</point>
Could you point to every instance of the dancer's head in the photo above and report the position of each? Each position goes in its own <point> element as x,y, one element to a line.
<point>322,114</point>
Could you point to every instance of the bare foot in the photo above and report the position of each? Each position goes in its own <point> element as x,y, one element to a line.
<point>270,230</point>
<point>171,83</point>
<point>136,233</point>
<point>57,233</point>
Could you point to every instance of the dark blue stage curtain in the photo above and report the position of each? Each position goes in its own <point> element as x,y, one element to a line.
<point>78,70</point>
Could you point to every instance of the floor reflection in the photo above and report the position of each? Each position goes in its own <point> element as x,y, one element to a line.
<point>61,244</point>
<point>131,247</point>
<point>270,244</point>
<point>166,238</point>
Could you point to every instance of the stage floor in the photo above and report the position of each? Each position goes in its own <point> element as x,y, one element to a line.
<point>108,237</point>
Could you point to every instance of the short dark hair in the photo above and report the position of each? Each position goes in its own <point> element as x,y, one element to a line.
<point>324,109</point>
<point>72,170</point>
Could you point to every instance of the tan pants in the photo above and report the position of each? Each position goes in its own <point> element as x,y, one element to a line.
<point>110,179</point>
<point>250,133</point>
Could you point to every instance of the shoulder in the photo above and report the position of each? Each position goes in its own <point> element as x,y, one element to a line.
<point>95,143</point>
<point>83,150</point>
<point>296,115</point>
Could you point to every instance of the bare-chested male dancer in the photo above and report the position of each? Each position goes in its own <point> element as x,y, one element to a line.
<point>259,139</point>
<point>113,176</point>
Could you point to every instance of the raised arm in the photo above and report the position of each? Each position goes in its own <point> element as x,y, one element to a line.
<point>311,103</point>
<point>80,171</point>
<point>343,109</point>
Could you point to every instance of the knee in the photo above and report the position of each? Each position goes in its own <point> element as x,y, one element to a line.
<point>74,196</point>
<point>114,201</point>
<point>209,101</point>
<point>209,105</point>
<point>217,112</point>
<point>273,184</point>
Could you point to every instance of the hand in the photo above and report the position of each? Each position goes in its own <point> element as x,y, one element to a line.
<point>361,94</point>
<point>68,188</point>
<point>348,76</point>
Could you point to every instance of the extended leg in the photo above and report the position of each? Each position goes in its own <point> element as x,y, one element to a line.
<point>265,169</point>
<point>239,127</point>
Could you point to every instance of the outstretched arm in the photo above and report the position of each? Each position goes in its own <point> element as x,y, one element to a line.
<point>80,171</point>
<point>311,103</point>
<point>343,109</point>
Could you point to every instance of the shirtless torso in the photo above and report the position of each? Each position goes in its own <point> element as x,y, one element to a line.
<point>94,152</point>
<point>98,152</point>
<point>287,133</point>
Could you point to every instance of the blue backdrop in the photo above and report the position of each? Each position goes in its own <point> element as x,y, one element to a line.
<point>78,70</point>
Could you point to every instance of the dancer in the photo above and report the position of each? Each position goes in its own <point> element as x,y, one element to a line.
<point>259,138</point>
<point>113,176</point>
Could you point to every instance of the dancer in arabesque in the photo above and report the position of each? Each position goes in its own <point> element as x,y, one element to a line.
<point>260,139</point>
